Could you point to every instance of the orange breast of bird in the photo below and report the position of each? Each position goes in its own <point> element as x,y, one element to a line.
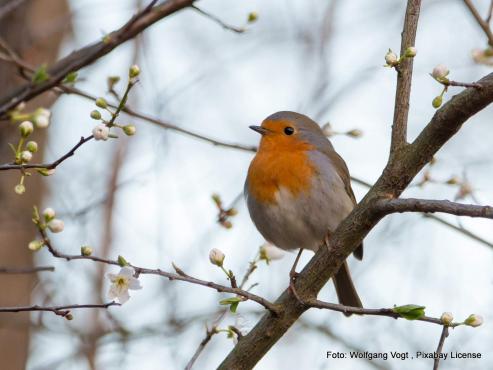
<point>280,163</point>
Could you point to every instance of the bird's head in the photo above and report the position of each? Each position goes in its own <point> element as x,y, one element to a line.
<point>289,131</point>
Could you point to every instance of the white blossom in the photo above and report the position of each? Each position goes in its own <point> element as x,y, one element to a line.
<point>391,58</point>
<point>216,257</point>
<point>121,283</point>
<point>270,252</point>
<point>42,117</point>
<point>49,214</point>
<point>101,132</point>
<point>440,71</point>
<point>447,318</point>
<point>26,156</point>
<point>26,128</point>
<point>474,320</point>
<point>56,225</point>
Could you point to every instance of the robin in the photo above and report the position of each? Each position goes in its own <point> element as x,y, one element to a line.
<point>298,190</point>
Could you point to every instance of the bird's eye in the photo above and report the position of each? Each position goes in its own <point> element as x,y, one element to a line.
<point>289,130</point>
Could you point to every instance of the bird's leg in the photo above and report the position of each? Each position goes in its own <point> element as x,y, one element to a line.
<point>293,275</point>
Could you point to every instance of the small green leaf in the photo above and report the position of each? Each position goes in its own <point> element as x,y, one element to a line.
<point>13,148</point>
<point>122,261</point>
<point>410,311</point>
<point>231,300</point>
<point>70,78</point>
<point>233,307</point>
<point>40,75</point>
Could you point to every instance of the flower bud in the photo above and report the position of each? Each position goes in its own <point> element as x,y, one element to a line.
<point>447,318</point>
<point>32,146</point>
<point>26,128</point>
<point>454,180</point>
<point>56,225</point>
<point>20,189</point>
<point>440,72</point>
<point>216,257</point>
<point>474,320</point>
<point>69,316</point>
<point>26,156</point>
<point>134,71</point>
<point>20,106</point>
<point>129,130</point>
<point>49,214</point>
<point>46,172</point>
<point>410,52</point>
<point>437,102</point>
<point>327,130</point>
<point>35,245</point>
<point>355,133</point>
<point>85,250</point>
<point>95,114</point>
<point>112,81</point>
<point>252,17</point>
<point>269,252</point>
<point>41,117</point>
<point>391,58</point>
<point>101,103</point>
<point>101,132</point>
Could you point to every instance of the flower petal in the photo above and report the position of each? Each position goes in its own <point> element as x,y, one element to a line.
<point>134,284</point>
<point>124,297</point>
<point>127,271</point>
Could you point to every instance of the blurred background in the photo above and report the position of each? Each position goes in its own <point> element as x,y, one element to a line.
<point>148,197</point>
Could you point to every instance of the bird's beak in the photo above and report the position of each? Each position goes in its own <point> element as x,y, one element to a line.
<point>259,129</point>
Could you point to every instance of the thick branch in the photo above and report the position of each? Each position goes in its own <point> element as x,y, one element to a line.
<point>25,270</point>
<point>431,206</point>
<point>395,178</point>
<point>404,77</point>
<point>87,55</point>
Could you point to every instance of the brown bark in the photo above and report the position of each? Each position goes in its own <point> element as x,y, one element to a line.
<point>34,29</point>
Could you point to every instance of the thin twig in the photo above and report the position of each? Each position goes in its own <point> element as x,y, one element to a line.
<point>482,23</point>
<point>388,312</point>
<point>404,77</point>
<point>463,84</point>
<point>57,310</point>
<point>178,276</point>
<point>490,12</point>
<point>25,270</point>
<point>388,206</point>
<point>208,336</point>
<point>215,19</point>
<point>48,166</point>
<point>440,347</point>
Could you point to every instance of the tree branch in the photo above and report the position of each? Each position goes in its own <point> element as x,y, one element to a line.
<point>25,270</point>
<point>440,347</point>
<point>180,275</point>
<point>57,310</point>
<point>388,312</point>
<point>404,77</point>
<point>389,206</point>
<point>87,55</point>
<point>208,336</point>
<point>482,23</point>
<point>48,166</point>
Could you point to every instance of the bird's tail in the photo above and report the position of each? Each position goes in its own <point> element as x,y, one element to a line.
<point>346,292</point>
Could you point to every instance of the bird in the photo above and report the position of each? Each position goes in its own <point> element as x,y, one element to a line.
<point>298,190</point>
